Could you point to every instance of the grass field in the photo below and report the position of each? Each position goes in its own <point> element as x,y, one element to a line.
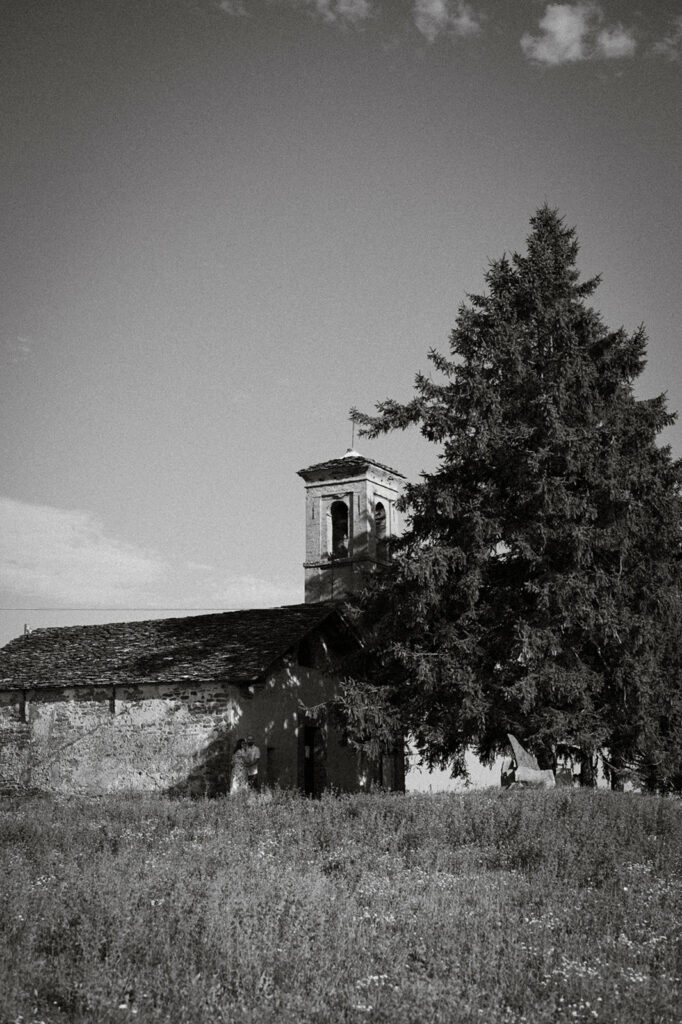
<point>490,906</point>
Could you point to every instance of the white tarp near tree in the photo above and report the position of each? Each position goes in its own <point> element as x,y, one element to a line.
<point>523,769</point>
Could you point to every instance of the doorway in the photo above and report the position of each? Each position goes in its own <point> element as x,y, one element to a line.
<point>313,757</point>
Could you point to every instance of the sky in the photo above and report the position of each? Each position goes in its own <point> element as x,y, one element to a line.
<point>226,223</point>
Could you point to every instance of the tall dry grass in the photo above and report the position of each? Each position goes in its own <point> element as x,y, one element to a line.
<point>495,907</point>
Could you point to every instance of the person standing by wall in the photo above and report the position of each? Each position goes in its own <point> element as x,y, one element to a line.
<point>252,761</point>
<point>239,781</point>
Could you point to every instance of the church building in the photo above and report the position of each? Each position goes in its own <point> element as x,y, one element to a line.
<point>159,705</point>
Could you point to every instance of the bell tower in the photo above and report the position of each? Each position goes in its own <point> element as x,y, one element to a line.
<point>350,516</point>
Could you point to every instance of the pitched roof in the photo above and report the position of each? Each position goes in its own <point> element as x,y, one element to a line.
<point>350,464</point>
<point>225,647</point>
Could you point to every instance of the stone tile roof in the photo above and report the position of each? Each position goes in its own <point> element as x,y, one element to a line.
<point>228,646</point>
<point>350,464</point>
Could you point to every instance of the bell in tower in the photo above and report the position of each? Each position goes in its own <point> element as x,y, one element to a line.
<point>350,516</point>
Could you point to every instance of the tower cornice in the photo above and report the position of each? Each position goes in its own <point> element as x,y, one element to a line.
<point>351,465</point>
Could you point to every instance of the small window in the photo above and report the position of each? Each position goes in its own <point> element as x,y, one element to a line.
<point>339,538</point>
<point>380,529</point>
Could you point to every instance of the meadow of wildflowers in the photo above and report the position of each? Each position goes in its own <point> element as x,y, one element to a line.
<point>495,907</point>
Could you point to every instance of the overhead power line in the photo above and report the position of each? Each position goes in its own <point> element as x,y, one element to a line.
<point>155,608</point>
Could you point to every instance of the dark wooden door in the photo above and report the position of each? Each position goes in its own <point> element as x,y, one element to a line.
<point>314,768</point>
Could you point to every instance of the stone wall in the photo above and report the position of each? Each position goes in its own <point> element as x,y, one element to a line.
<point>167,738</point>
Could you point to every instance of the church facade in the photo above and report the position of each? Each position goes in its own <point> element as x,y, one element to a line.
<point>159,705</point>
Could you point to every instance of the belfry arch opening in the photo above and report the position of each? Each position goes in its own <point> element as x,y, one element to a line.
<point>338,513</point>
<point>380,529</point>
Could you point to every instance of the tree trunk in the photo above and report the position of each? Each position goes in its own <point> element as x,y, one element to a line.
<point>588,769</point>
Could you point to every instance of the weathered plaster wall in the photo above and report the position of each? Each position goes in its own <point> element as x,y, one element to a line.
<point>280,719</point>
<point>164,738</point>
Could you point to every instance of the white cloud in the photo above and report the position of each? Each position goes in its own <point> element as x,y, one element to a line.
<point>432,17</point>
<point>340,11</point>
<point>65,557</point>
<point>573,32</point>
<point>464,22</point>
<point>236,8</point>
<point>564,33</point>
<point>353,10</point>
<point>616,42</point>
<point>670,46</point>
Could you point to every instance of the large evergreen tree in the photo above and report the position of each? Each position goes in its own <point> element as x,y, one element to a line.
<point>536,590</point>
